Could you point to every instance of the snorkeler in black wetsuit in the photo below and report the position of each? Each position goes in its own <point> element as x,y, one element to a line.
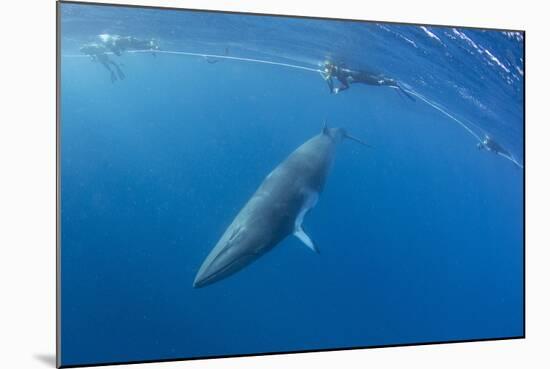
<point>213,59</point>
<point>489,144</point>
<point>118,44</point>
<point>98,53</point>
<point>348,76</point>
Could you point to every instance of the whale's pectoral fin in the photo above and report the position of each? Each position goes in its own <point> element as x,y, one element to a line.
<point>310,199</point>
<point>302,236</point>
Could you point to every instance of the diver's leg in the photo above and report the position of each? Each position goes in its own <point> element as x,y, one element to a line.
<point>118,70</point>
<point>113,75</point>
<point>330,84</point>
<point>344,85</point>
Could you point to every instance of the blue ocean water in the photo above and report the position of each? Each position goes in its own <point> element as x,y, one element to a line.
<point>420,236</point>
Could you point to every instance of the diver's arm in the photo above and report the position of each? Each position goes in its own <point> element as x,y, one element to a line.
<point>503,152</point>
<point>387,82</point>
<point>405,92</point>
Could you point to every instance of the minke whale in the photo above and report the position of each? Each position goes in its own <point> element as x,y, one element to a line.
<point>277,208</point>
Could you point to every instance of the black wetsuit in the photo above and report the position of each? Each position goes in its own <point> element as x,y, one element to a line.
<point>99,53</point>
<point>493,146</point>
<point>118,44</point>
<point>348,76</point>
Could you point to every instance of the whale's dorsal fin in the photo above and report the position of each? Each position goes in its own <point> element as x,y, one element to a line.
<point>302,236</point>
<point>325,128</point>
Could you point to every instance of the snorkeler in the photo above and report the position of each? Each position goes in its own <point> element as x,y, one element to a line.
<point>489,144</point>
<point>98,53</point>
<point>347,76</point>
<point>213,59</point>
<point>118,44</point>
